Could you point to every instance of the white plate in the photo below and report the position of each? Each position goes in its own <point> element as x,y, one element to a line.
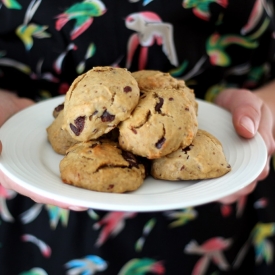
<point>29,160</point>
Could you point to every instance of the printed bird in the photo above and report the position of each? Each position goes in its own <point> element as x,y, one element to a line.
<point>112,224</point>
<point>201,7</point>
<point>259,238</point>
<point>43,247</point>
<point>142,267</point>
<point>210,250</point>
<point>11,4</point>
<point>182,217</point>
<point>149,29</point>
<point>217,44</point>
<point>35,271</point>
<point>6,194</point>
<point>145,2</point>
<point>27,31</point>
<point>83,13</point>
<point>88,265</point>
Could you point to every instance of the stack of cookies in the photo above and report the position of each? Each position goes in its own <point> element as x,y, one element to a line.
<point>113,123</point>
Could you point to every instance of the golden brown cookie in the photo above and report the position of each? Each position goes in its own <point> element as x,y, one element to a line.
<point>152,79</point>
<point>203,159</point>
<point>98,101</point>
<point>59,139</point>
<point>101,166</point>
<point>163,121</point>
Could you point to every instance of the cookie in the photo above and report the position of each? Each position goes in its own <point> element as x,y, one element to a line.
<point>101,166</point>
<point>59,139</point>
<point>98,101</point>
<point>163,121</point>
<point>203,159</point>
<point>152,79</point>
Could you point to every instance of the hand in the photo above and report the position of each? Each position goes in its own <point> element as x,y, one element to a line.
<point>9,105</point>
<point>250,114</point>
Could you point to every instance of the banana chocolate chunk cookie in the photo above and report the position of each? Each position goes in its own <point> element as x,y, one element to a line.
<point>101,166</point>
<point>59,138</point>
<point>203,159</point>
<point>98,101</point>
<point>163,121</point>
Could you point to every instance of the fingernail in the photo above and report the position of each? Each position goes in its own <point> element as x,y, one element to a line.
<point>248,124</point>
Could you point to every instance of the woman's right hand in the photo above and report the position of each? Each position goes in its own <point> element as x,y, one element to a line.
<point>10,104</point>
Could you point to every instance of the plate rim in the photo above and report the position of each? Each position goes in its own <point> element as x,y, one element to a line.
<point>100,206</point>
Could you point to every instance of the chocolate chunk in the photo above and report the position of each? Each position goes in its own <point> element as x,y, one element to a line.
<point>159,104</point>
<point>106,117</point>
<point>127,89</point>
<point>130,157</point>
<point>79,125</point>
<point>59,108</point>
<point>160,143</point>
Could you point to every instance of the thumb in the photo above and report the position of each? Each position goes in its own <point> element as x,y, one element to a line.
<point>245,108</point>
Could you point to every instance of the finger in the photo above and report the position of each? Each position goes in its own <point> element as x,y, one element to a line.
<point>9,184</point>
<point>245,108</point>
<point>236,196</point>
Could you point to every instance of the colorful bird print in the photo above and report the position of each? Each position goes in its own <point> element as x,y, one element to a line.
<point>89,53</point>
<point>57,214</point>
<point>27,31</point>
<point>11,4</point>
<point>181,217</point>
<point>216,45</point>
<point>254,18</point>
<point>59,61</point>
<point>43,247</point>
<point>88,265</point>
<point>32,213</point>
<point>146,231</point>
<point>111,224</point>
<point>201,7</point>
<point>83,13</point>
<point>210,250</point>
<point>263,247</point>
<point>145,2</point>
<point>35,271</point>
<point>15,64</point>
<point>149,29</point>
<point>6,194</point>
<point>142,267</point>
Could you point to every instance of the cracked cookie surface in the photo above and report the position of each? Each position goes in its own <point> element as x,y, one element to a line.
<point>98,101</point>
<point>153,79</point>
<point>203,159</point>
<point>163,121</point>
<point>101,166</point>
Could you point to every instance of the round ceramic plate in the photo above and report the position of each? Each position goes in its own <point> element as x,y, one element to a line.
<point>29,160</point>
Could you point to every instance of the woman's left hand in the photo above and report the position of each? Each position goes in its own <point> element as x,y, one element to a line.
<point>250,114</point>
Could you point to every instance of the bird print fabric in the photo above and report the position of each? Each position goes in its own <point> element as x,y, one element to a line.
<point>45,45</point>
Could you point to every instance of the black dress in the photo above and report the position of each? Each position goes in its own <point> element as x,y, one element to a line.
<point>45,45</point>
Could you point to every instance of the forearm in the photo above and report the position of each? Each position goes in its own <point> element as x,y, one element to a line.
<point>10,104</point>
